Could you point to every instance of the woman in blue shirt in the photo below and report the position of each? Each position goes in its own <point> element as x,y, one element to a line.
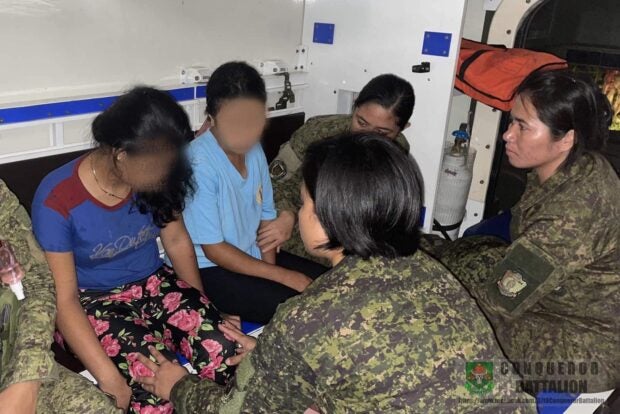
<point>234,198</point>
<point>98,218</point>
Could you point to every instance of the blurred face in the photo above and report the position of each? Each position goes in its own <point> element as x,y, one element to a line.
<point>310,229</point>
<point>372,117</point>
<point>146,172</point>
<point>530,144</point>
<point>239,124</point>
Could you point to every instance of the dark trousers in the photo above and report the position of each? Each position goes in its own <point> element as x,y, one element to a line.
<point>253,298</point>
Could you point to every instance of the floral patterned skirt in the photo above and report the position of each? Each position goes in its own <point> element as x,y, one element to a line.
<point>167,313</point>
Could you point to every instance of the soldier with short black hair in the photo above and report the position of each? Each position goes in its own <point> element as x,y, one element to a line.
<point>387,330</point>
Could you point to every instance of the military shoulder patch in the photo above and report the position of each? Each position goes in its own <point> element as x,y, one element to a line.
<point>285,164</point>
<point>277,170</point>
<point>520,277</point>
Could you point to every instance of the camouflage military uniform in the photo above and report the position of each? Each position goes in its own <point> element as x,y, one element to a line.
<point>375,336</point>
<point>285,169</point>
<point>26,327</point>
<point>553,295</point>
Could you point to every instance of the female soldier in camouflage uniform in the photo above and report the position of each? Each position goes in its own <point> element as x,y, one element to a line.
<point>553,295</point>
<point>383,106</point>
<point>29,377</point>
<point>387,330</point>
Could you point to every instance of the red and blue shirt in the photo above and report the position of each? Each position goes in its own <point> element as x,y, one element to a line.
<point>111,245</point>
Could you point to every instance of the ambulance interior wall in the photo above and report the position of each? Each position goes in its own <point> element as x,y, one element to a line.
<point>70,49</point>
<point>57,48</point>
<point>61,49</point>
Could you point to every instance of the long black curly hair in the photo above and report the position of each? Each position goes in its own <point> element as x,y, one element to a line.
<point>146,119</point>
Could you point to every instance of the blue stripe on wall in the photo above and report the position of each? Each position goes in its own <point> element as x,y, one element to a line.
<point>201,92</point>
<point>183,94</point>
<point>54,110</point>
<point>83,106</point>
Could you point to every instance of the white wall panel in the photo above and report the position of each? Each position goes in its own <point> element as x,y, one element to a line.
<point>374,37</point>
<point>62,48</point>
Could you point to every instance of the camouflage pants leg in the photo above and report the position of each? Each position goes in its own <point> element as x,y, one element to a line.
<point>71,393</point>
<point>472,259</point>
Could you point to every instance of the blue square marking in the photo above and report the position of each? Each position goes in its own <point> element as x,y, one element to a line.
<point>437,44</point>
<point>324,33</point>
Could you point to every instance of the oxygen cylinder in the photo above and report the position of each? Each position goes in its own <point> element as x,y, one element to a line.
<point>454,184</point>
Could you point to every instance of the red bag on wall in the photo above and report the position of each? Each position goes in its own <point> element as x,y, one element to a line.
<point>491,74</point>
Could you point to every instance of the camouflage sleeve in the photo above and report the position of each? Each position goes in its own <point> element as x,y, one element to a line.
<point>471,259</point>
<point>285,169</point>
<point>32,358</point>
<point>286,193</point>
<point>280,380</point>
<point>192,396</point>
<point>535,265</point>
<point>285,172</point>
<point>85,397</point>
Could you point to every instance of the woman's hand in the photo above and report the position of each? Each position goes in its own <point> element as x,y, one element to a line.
<point>165,374</point>
<point>275,233</point>
<point>118,389</point>
<point>235,320</point>
<point>245,343</point>
<point>20,398</point>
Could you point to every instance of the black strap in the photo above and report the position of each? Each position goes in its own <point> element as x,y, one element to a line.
<point>497,45</point>
<point>467,62</point>
<point>561,65</point>
<point>445,229</point>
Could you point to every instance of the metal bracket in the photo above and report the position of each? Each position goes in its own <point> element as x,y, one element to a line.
<point>302,58</point>
<point>287,94</point>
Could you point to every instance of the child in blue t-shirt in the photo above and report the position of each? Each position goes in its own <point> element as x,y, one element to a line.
<point>234,198</point>
<point>97,219</point>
